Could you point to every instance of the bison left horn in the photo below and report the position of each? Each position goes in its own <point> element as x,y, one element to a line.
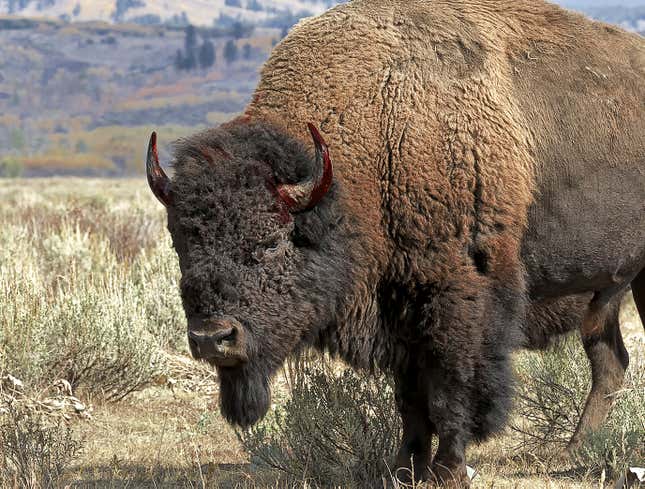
<point>157,178</point>
<point>305,195</point>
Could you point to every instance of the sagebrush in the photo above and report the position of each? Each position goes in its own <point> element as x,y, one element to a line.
<point>338,428</point>
<point>554,386</point>
<point>36,449</point>
<point>88,289</point>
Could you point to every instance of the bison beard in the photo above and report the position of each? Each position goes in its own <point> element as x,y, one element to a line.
<point>245,395</point>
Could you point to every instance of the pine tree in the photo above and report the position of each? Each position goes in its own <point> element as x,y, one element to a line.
<point>207,54</point>
<point>247,51</point>
<point>191,38</point>
<point>179,61</point>
<point>190,60</point>
<point>254,5</point>
<point>230,51</point>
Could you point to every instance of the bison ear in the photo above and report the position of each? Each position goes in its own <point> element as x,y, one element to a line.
<point>157,179</point>
<point>305,195</point>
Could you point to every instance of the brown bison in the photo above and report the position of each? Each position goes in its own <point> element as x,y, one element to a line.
<point>478,185</point>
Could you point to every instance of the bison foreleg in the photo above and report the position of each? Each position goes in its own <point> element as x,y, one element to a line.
<point>471,326</point>
<point>414,457</point>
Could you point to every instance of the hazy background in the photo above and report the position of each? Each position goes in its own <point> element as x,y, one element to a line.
<point>83,82</point>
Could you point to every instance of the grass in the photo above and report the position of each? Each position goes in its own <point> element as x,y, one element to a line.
<point>88,293</point>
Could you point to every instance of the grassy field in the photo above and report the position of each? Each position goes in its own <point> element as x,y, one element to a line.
<point>89,295</point>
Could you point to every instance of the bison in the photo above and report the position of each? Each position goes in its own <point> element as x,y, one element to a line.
<point>477,185</point>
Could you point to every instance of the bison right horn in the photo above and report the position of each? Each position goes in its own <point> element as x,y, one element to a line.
<point>305,195</point>
<point>157,178</point>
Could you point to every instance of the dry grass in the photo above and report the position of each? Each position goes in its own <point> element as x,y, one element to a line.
<point>66,241</point>
<point>88,286</point>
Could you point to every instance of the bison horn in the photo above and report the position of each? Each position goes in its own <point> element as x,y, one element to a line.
<point>305,195</point>
<point>157,178</point>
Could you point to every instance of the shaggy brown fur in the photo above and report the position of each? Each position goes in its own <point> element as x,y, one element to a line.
<point>488,159</point>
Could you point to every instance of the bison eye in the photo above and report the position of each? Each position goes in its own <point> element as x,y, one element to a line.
<point>299,239</point>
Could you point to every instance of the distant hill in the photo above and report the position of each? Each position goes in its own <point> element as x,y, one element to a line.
<point>196,12</point>
<point>84,82</point>
<point>629,14</point>
<point>82,98</point>
<point>587,4</point>
<point>213,12</point>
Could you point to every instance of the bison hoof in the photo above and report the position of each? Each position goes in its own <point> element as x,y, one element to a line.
<point>455,477</point>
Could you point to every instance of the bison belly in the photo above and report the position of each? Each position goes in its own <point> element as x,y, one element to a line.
<point>586,232</point>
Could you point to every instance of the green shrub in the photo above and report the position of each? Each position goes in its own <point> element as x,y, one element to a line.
<point>10,168</point>
<point>333,431</point>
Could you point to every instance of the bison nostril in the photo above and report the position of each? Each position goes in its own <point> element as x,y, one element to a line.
<point>220,341</point>
<point>201,340</point>
<point>228,335</point>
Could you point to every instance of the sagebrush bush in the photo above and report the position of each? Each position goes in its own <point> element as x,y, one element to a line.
<point>553,390</point>
<point>35,450</point>
<point>83,295</point>
<point>334,430</point>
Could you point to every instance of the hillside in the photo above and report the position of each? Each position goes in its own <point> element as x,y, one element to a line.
<point>82,97</point>
<point>214,12</point>
<point>196,12</point>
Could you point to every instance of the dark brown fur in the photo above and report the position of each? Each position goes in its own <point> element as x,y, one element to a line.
<point>489,194</point>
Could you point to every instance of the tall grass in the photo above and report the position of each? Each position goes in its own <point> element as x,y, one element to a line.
<point>88,288</point>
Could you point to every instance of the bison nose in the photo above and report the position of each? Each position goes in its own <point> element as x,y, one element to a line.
<point>220,341</point>
<point>201,339</point>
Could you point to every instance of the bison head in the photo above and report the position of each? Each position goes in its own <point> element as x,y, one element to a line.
<point>250,211</point>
